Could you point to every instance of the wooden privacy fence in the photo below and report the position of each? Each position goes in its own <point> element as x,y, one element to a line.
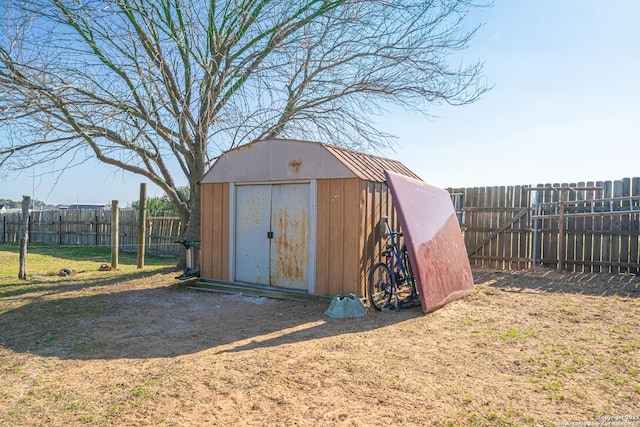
<point>586,226</point>
<point>89,227</point>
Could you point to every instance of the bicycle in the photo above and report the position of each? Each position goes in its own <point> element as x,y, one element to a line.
<point>400,286</point>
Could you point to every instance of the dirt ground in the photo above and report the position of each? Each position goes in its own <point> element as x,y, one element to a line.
<point>526,348</point>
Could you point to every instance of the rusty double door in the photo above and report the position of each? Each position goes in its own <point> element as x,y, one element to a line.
<point>272,238</point>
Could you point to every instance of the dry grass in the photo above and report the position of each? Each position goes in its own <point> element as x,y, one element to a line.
<point>533,348</point>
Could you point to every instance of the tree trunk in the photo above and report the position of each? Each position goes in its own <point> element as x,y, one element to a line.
<point>191,223</point>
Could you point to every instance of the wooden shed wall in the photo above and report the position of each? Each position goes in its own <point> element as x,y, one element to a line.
<point>338,236</point>
<point>214,261</point>
<point>377,204</point>
<point>348,236</point>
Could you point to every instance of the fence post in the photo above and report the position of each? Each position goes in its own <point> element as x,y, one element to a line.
<point>96,227</point>
<point>24,237</point>
<point>115,221</point>
<point>142,223</point>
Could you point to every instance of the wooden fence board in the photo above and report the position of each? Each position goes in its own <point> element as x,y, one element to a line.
<point>547,249</point>
<point>504,239</point>
<point>634,242</point>
<point>587,226</point>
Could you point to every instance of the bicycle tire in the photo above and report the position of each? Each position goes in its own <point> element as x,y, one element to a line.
<point>380,286</point>
<point>409,269</point>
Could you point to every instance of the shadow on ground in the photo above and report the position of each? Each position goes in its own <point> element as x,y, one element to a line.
<point>42,286</point>
<point>171,321</point>
<point>553,281</point>
<point>98,320</point>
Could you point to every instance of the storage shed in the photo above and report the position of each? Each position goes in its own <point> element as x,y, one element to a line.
<point>296,216</point>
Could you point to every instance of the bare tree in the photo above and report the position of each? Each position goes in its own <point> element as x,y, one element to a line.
<point>162,87</point>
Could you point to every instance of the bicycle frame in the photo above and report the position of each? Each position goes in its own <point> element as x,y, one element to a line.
<point>388,279</point>
<point>393,260</point>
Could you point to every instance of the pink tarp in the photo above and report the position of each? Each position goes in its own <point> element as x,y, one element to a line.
<point>434,241</point>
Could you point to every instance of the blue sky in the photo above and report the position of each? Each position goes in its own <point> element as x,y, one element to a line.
<point>564,108</point>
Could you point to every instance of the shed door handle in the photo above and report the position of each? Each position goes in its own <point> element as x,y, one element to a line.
<point>269,234</point>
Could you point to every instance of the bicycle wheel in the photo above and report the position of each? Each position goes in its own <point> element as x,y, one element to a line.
<point>379,286</point>
<point>411,281</point>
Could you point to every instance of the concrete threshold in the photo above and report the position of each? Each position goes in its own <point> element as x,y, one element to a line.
<point>257,291</point>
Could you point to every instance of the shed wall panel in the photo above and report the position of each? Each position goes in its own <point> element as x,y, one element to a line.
<point>338,241</point>
<point>215,231</point>
<point>348,237</point>
<point>366,237</point>
<point>224,241</point>
<point>322,237</point>
<point>336,236</point>
<point>352,237</point>
<point>377,204</point>
<point>206,230</point>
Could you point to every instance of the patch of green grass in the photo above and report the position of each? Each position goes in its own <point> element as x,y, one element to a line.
<point>630,346</point>
<point>48,260</point>
<point>553,390</point>
<point>70,307</point>
<point>33,313</point>
<point>482,333</point>
<point>88,418</point>
<point>17,369</point>
<point>506,418</point>
<point>114,410</point>
<point>142,388</point>
<point>554,385</point>
<point>514,333</point>
<point>615,378</point>
<point>12,417</point>
<point>43,263</point>
<point>71,400</point>
<point>570,310</point>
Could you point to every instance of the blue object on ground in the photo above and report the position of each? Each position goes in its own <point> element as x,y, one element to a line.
<point>345,306</point>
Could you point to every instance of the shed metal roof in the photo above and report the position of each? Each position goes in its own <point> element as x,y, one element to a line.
<point>367,166</point>
<point>279,159</point>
